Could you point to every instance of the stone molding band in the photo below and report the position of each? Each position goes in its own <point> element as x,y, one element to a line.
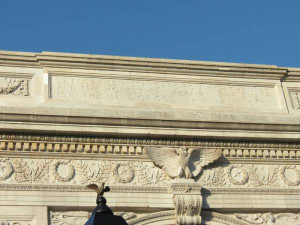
<point>135,189</point>
<point>136,147</point>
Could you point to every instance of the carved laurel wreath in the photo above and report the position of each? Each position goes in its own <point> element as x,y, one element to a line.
<point>123,179</point>
<point>287,181</point>
<point>8,169</point>
<point>244,179</point>
<point>68,177</point>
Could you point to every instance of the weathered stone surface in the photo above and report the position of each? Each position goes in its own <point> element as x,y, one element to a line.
<point>225,139</point>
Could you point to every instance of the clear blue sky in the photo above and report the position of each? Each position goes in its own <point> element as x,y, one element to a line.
<point>248,31</point>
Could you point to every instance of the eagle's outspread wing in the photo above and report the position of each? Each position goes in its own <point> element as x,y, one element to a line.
<point>199,158</point>
<point>165,158</point>
<point>207,156</point>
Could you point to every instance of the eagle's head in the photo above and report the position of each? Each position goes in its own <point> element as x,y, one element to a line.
<point>182,151</point>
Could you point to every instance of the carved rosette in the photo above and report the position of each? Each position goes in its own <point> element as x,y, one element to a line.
<point>123,172</point>
<point>188,202</point>
<point>237,175</point>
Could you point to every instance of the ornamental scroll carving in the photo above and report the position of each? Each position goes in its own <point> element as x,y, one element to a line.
<point>188,202</point>
<point>14,86</point>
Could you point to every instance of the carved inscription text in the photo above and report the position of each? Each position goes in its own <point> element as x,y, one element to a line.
<point>140,92</point>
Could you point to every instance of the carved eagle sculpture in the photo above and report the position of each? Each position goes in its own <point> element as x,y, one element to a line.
<point>182,162</point>
<point>99,189</point>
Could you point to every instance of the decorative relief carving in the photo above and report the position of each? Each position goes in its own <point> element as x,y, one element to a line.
<point>212,177</point>
<point>221,219</point>
<point>16,220</point>
<point>69,218</point>
<point>290,175</point>
<point>14,86</point>
<point>188,202</point>
<point>11,223</point>
<point>151,175</point>
<point>237,174</point>
<point>182,162</point>
<point>63,171</point>
<point>22,174</point>
<point>77,172</point>
<point>123,172</point>
<point>92,173</point>
<point>125,92</point>
<point>6,169</point>
<point>247,175</point>
<point>270,218</point>
<point>263,176</point>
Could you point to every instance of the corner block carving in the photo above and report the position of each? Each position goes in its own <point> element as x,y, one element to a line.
<point>295,98</point>
<point>14,86</point>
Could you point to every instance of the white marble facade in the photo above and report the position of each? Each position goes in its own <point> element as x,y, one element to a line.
<point>178,142</point>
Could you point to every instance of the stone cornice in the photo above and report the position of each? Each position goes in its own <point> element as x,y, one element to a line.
<point>198,68</point>
<point>293,75</point>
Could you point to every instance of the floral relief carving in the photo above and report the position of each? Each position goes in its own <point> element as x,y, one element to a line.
<point>90,174</point>
<point>128,173</point>
<point>22,174</point>
<point>212,176</point>
<point>270,218</point>
<point>150,175</point>
<point>4,222</point>
<point>69,218</point>
<point>15,86</point>
<point>264,176</point>
<point>40,172</point>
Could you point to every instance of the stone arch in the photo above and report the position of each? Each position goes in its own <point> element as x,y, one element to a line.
<point>158,218</point>
<point>220,219</point>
